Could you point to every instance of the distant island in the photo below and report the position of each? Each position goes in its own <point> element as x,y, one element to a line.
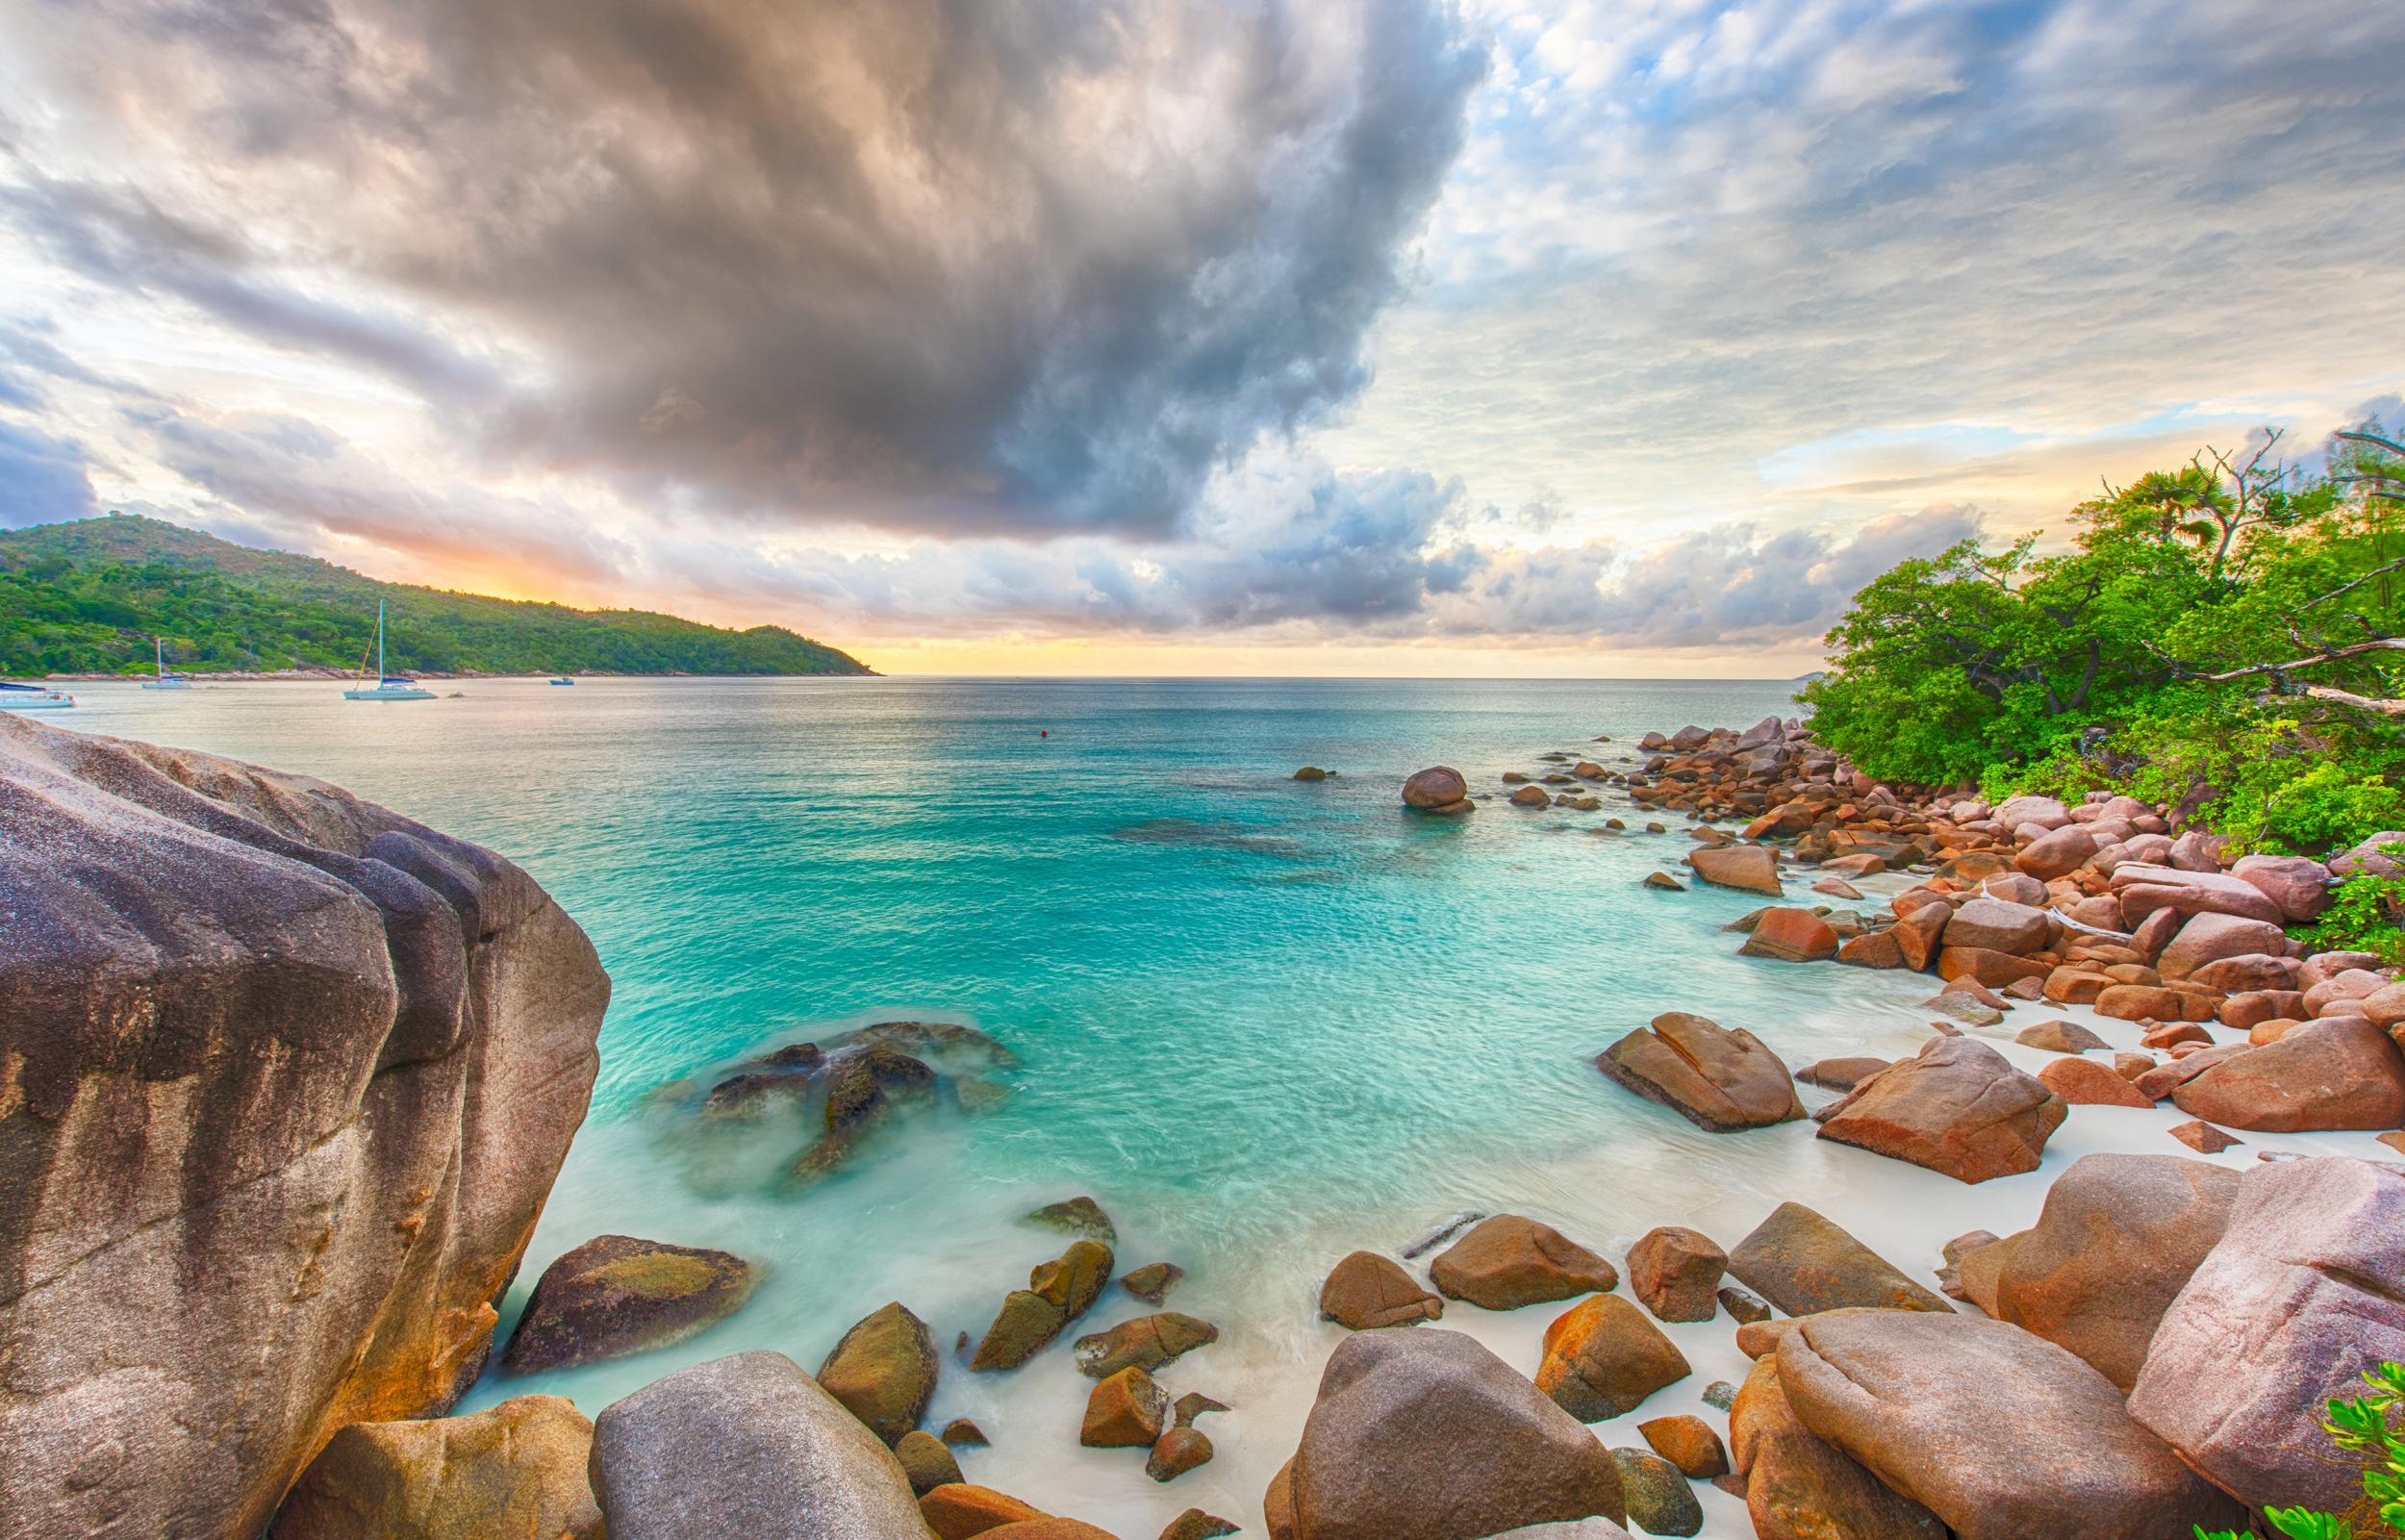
<point>87,598</point>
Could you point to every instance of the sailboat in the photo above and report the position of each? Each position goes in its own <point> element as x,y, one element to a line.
<point>165,680</point>
<point>33,697</point>
<point>388,686</point>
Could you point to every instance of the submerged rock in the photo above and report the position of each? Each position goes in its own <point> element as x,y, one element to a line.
<point>1721,1080</point>
<point>1077,1215</point>
<point>1748,868</point>
<point>1152,1281</point>
<point>1127,1410</point>
<point>745,1447</point>
<point>1427,1435</point>
<point>518,1468</point>
<point>617,1295</point>
<point>1438,789</point>
<point>288,1077</point>
<point>1506,1262</point>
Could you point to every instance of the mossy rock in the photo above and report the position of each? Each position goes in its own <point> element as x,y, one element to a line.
<point>883,1370</point>
<point>617,1295</point>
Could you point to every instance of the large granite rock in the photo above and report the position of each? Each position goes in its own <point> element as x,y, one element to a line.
<point>1748,868</point>
<point>1798,1486</point>
<point>1804,1263</point>
<point>1438,789</point>
<point>1508,1261</point>
<point>2000,1433</point>
<point>2297,1300</point>
<point>1720,1079</point>
<point>2338,1073</point>
<point>2114,1244</point>
<point>1425,1435</point>
<point>746,1447</point>
<point>617,1295</point>
<point>283,1080</point>
<point>517,1470</point>
<point>1957,1106</point>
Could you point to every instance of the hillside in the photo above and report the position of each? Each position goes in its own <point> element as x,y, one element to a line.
<point>87,596</point>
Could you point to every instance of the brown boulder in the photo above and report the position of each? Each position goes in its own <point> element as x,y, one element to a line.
<point>1804,1264</point>
<point>1674,1272</point>
<point>883,1370</point>
<point>2117,1239</point>
<point>1506,1262</point>
<point>1532,796</point>
<point>1791,936</point>
<point>2000,1433</point>
<point>515,1469</point>
<point>1997,924</point>
<point>1367,1291</point>
<point>1438,788</point>
<point>1957,1106</point>
<point>1689,1442</point>
<point>1602,1358</point>
<point>2341,1073</point>
<point>2251,1009</point>
<point>1916,932</point>
<point>617,1295</point>
<point>284,1079</point>
<point>1987,965</point>
<point>1049,1527</point>
<point>1841,1074</point>
<point>2142,1002</point>
<point>2297,1299</point>
<point>2208,938</point>
<point>1148,1342</point>
<point>1127,1410</point>
<point>1872,949</point>
<point>2202,1137</point>
<point>1057,1293</point>
<point>1800,1487</point>
<point>2144,889</point>
<point>1427,1435</point>
<point>2059,1037</point>
<point>1751,867</point>
<point>2248,971</point>
<point>2086,1083</point>
<point>928,1460</point>
<point>1722,1080</point>
<point>2299,885</point>
<point>962,1510</point>
<point>2056,854</point>
<point>1178,1451</point>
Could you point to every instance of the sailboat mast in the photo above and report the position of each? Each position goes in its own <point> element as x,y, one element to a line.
<point>379,641</point>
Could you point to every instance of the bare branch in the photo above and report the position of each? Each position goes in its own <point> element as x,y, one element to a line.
<point>2373,439</point>
<point>2376,645</point>
<point>2358,583</point>
<point>2386,708</point>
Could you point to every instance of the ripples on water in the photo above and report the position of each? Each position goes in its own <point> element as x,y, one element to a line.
<point>1264,1021</point>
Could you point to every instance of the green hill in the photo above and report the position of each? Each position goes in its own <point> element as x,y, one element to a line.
<point>87,596</point>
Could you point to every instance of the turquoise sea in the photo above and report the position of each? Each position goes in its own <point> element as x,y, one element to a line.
<point>1263,1022</point>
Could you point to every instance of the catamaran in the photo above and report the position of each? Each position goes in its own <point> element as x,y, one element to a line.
<point>387,686</point>
<point>165,680</point>
<point>33,697</point>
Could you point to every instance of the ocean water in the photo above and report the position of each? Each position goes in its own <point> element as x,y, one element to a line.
<point>1264,1023</point>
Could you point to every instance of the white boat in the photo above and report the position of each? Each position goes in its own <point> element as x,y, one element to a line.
<point>387,686</point>
<point>33,697</point>
<point>165,680</point>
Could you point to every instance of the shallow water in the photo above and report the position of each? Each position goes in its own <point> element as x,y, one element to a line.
<point>1263,1022</point>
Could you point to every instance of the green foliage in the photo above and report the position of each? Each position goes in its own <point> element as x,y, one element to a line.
<point>2362,1425</point>
<point>2179,649</point>
<point>87,597</point>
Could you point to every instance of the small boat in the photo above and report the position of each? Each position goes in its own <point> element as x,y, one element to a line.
<point>387,686</point>
<point>562,681</point>
<point>33,697</point>
<point>165,680</point>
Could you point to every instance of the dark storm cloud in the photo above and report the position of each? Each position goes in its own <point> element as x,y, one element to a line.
<point>41,479</point>
<point>942,264</point>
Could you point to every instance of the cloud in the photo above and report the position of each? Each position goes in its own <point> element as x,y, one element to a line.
<point>943,265</point>
<point>41,479</point>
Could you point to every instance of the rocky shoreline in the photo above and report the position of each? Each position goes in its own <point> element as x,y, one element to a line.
<point>2092,1390</point>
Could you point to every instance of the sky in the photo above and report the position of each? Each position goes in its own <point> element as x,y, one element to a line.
<point>1338,336</point>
